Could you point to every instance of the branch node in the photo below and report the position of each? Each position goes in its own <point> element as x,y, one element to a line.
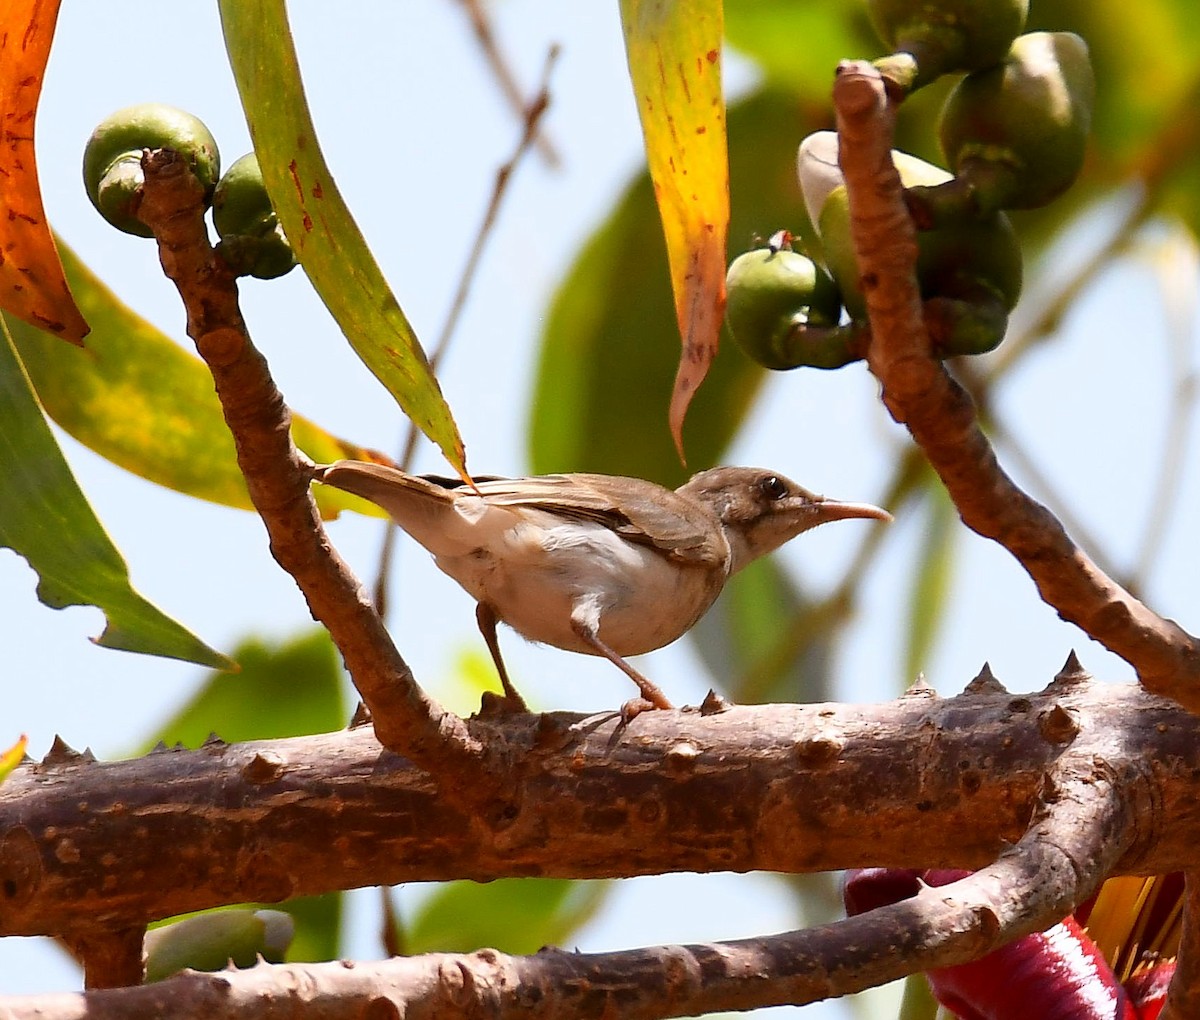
<point>1057,725</point>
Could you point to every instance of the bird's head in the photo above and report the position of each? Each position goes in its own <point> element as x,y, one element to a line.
<point>760,510</point>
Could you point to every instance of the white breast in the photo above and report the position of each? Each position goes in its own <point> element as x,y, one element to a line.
<point>536,570</point>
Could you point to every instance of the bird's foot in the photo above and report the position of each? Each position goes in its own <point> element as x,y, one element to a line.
<point>636,706</point>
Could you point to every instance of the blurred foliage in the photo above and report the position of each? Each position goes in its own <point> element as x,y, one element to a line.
<point>283,690</point>
<point>931,577</point>
<point>12,757</point>
<point>514,915</point>
<point>756,606</point>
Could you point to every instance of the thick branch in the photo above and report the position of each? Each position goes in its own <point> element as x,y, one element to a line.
<point>920,782</point>
<point>111,959</point>
<point>1034,885</point>
<point>405,719</point>
<point>937,411</point>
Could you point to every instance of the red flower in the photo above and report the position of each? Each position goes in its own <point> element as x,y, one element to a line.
<point>1062,970</point>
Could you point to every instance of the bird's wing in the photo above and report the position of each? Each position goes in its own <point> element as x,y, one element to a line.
<point>638,510</point>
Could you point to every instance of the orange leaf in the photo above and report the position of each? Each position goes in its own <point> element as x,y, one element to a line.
<point>674,53</point>
<point>32,285</point>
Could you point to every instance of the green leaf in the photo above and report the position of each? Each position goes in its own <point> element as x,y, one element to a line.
<point>317,222</point>
<point>45,518</point>
<point>282,690</point>
<point>137,398</point>
<point>931,582</point>
<point>514,915</point>
<point>604,380</point>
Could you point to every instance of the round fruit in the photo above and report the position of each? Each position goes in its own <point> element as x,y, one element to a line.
<point>966,263</point>
<point>112,158</point>
<point>252,240</point>
<point>1016,133</point>
<point>947,35</point>
<point>773,293</point>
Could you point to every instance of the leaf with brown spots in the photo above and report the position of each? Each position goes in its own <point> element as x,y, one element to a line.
<point>674,53</point>
<point>32,285</point>
<point>327,242</point>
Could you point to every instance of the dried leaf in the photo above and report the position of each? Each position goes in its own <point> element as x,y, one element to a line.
<point>32,285</point>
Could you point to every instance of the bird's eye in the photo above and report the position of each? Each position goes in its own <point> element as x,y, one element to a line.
<point>773,487</point>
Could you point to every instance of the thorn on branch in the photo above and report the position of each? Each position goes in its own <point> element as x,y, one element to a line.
<point>985,682</point>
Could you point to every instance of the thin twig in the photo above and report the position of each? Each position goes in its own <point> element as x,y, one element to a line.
<point>1163,503</point>
<point>939,414</point>
<point>505,78</point>
<point>110,958</point>
<point>532,116</point>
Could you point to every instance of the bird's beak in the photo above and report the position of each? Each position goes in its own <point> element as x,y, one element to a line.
<point>836,510</point>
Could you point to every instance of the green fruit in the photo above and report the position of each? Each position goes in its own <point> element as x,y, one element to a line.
<point>1016,133</point>
<point>112,158</point>
<point>773,293</point>
<point>946,35</point>
<point>971,262</point>
<point>252,241</point>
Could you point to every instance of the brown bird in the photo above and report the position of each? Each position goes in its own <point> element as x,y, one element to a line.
<point>597,564</point>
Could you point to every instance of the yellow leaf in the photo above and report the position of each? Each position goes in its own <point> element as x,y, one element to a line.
<point>11,758</point>
<point>674,53</point>
<point>32,286</point>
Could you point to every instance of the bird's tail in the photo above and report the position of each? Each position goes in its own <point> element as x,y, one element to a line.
<point>429,509</point>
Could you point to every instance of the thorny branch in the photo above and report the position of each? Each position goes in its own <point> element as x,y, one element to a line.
<point>941,417</point>
<point>784,788</point>
<point>938,412</point>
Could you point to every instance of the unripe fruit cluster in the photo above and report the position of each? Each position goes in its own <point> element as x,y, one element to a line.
<point>251,239</point>
<point>1013,131</point>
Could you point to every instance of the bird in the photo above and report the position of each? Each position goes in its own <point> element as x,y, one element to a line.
<point>599,564</point>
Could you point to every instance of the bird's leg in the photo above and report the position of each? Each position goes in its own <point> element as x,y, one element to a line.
<point>486,617</point>
<point>650,692</point>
